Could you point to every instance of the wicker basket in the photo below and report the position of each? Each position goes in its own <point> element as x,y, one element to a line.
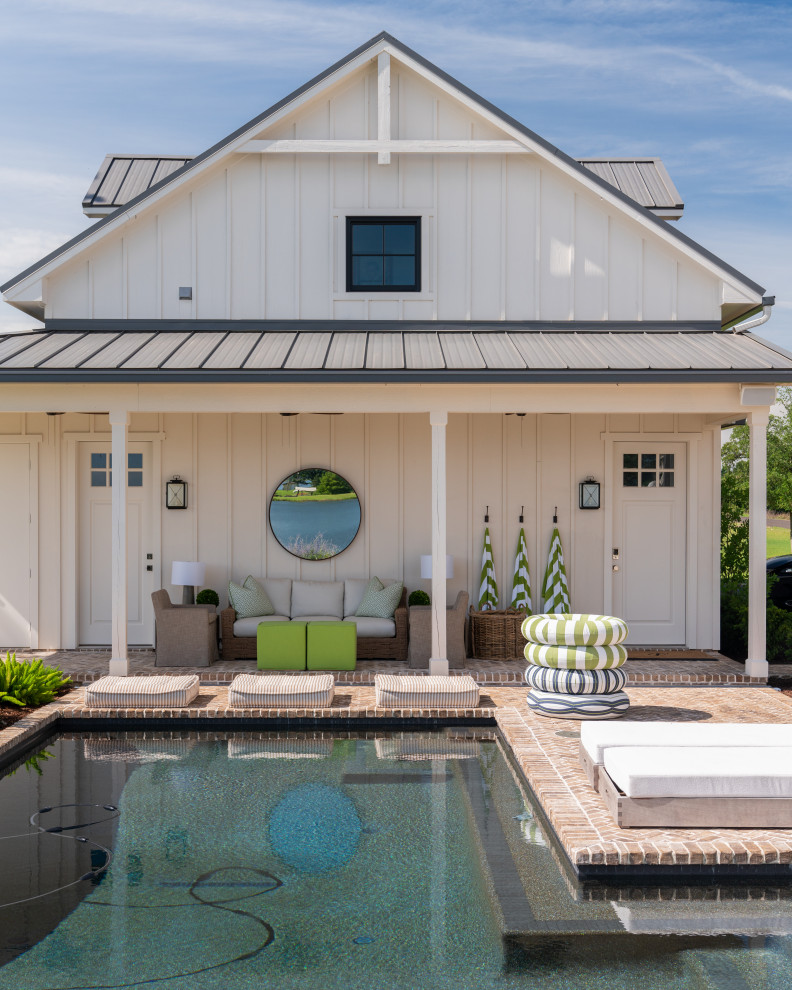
<point>496,635</point>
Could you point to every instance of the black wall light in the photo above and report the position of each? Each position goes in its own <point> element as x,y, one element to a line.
<point>176,493</point>
<point>589,494</point>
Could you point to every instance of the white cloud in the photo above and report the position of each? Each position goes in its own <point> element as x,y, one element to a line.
<point>21,247</point>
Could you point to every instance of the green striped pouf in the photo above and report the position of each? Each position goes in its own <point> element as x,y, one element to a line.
<point>575,662</point>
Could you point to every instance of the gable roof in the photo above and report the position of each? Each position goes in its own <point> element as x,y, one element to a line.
<point>380,41</point>
<point>122,177</point>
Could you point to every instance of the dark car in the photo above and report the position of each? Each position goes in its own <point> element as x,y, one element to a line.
<point>781,592</point>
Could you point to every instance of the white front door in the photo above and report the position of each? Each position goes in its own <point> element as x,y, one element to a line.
<point>95,512</point>
<point>16,593</point>
<point>649,544</point>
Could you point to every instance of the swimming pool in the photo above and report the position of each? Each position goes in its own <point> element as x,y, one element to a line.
<point>315,860</point>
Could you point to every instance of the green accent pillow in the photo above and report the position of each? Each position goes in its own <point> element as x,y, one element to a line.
<point>249,599</point>
<point>380,602</point>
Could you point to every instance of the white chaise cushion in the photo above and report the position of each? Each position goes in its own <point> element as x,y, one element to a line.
<point>595,739</point>
<point>281,691</point>
<point>163,691</point>
<point>434,691</point>
<point>701,771</point>
<point>249,626</point>
<point>317,598</point>
<point>369,627</point>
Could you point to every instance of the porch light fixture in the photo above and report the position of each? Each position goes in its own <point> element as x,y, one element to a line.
<point>190,574</point>
<point>176,493</point>
<point>426,566</point>
<point>589,494</point>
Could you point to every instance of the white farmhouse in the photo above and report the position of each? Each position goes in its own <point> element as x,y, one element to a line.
<point>386,276</point>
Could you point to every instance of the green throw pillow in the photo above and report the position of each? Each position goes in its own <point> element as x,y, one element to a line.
<point>380,602</point>
<point>249,599</point>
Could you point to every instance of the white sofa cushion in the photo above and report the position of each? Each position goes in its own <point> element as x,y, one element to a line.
<point>279,592</point>
<point>595,739</point>
<point>354,589</point>
<point>249,626</point>
<point>701,771</point>
<point>316,618</point>
<point>317,598</point>
<point>369,627</point>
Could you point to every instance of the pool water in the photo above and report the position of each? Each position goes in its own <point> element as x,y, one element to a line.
<point>373,861</point>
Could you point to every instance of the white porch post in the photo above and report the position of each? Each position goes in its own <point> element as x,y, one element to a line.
<point>119,662</point>
<point>756,663</point>
<point>438,664</point>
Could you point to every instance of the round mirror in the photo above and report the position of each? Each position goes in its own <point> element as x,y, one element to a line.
<point>314,514</point>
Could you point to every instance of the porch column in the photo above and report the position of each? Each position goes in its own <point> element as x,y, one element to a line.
<point>119,662</point>
<point>438,663</point>
<point>756,663</point>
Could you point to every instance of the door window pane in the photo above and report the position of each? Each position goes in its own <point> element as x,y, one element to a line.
<point>648,479</point>
<point>98,479</point>
<point>135,479</point>
<point>98,460</point>
<point>135,460</point>
<point>630,461</point>
<point>648,460</point>
<point>630,479</point>
<point>666,479</point>
<point>667,461</point>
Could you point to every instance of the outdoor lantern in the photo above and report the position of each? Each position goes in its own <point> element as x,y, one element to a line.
<point>589,494</point>
<point>176,493</point>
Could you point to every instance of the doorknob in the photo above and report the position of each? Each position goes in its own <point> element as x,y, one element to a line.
<point>615,567</point>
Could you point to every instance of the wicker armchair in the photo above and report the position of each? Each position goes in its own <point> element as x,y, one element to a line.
<point>186,634</point>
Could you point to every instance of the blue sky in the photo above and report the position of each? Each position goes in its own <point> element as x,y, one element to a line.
<point>705,84</point>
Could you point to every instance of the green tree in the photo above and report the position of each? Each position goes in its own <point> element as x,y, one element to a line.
<point>330,483</point>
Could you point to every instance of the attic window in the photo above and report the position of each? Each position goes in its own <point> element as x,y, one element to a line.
<point>383,254</point>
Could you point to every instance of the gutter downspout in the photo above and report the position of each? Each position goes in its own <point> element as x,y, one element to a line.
<point>767,306</point>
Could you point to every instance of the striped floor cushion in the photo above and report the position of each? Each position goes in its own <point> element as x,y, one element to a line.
<point>416,747</point>
<point>574,630</point>
<point>281,691</point>
<point>434,691</point>
<point>575,681</point>
<point>164,691</point>
<point>580,706</point>
<point>279,749</point>
<point>576,657</point>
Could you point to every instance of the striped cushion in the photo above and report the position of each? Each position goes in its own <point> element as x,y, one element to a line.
<point>417,747</point>
<point>281,691</point>
<point>576,657</point>
<point>279,749</point>
<point>434,691</point>
<point>575,681</point>
<point>579,706</point>
<point>574,630</point>
<point>163,691</point>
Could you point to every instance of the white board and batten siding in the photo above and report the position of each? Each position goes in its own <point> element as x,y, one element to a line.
<point>504,236</point>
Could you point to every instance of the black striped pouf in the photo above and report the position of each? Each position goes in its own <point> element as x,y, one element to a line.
<point>579,706</point>
<point>575,681</point>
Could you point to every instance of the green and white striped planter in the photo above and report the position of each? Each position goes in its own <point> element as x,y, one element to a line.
<point>574,630</point>
<point>576,657</point>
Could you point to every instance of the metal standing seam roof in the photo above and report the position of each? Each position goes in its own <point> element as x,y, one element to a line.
<point>122,177</point>
<point>333,352</point>
<point>383,36</point>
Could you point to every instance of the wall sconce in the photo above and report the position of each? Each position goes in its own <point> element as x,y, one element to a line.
<point>176,493</point>
<point>589,494</point>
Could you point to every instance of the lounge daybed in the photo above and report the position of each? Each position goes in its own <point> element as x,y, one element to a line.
<point>698,787</point>
<point>596,738</point>
<point>142,692</point>
<point>320,601</point>
<point>281,691</point>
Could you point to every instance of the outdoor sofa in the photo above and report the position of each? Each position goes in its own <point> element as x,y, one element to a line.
<point>320,601</point>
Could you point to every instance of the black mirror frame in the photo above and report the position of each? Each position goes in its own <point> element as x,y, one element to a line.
<point>291,552</point>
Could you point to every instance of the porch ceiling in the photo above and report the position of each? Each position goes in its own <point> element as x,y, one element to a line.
<point>331,351</point>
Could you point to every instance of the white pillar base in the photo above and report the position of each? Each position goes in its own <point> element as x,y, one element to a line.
<point>438,668</point>
<point>757,668</point>
<point>119,667</point>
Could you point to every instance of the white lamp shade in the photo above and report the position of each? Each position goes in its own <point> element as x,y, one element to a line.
<point>426,566</point>
<point>189,572</point>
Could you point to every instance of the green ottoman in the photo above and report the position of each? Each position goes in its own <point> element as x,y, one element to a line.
<point>332,646</point>
<point>281,645</point>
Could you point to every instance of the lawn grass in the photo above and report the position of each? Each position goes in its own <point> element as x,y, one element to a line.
<point>777,541</point>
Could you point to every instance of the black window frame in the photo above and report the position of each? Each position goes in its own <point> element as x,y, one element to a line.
<point>414,222</point>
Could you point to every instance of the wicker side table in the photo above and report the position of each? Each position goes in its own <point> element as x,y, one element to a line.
<point>496,635</point>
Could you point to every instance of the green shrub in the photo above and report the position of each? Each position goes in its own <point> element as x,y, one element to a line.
<point>419,598</point>
<point>734,624</point>
<point>207,597</point>
<point>28,683</point>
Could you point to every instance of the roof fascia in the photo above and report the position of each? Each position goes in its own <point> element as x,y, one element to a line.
<point>572,168</point>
